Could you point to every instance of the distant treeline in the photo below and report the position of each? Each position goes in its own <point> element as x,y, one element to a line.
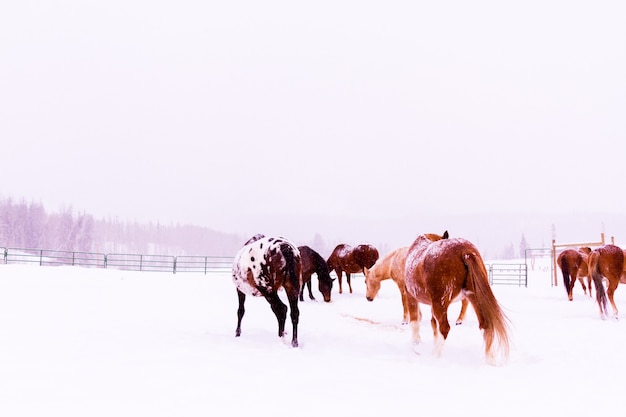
<point>28,225</point>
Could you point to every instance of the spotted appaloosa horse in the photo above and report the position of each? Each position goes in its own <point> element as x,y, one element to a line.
<point>573,264</point>
<point>351,260</point>
<point>263,266</point>
<point>392,266</point>
<point>314,263</point>
<point>606,262</point>
<point>439,271</point>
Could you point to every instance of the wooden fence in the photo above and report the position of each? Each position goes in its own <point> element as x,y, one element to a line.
<point>499,274</point>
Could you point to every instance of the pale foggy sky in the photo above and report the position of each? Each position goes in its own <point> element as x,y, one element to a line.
<point>224,114</point>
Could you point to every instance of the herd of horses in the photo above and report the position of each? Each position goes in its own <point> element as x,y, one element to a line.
<point>604,264</point>
<point>435,270</point>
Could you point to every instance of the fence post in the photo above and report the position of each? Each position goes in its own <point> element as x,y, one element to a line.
<point>175,258</point>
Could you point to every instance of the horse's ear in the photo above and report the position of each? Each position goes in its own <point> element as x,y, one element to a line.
<point>446,235</point>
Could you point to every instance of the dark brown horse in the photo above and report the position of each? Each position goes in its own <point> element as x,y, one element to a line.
<point>262,267</point>
<point>351,260</point>
<point>606,262</point>
<point>573,264</point>
<point>439,271</point>
<point>314,263</point>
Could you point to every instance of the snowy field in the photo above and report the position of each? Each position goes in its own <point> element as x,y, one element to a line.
<point>94,342</point>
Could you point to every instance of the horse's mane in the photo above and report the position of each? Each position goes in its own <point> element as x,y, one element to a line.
<point>254,238</point>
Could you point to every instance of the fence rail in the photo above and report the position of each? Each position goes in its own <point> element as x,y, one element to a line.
<point>508,274</point>
<point>128,262</point>
<point>499,274</point>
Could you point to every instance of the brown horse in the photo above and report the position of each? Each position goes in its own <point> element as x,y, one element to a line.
<point>392,266</point>
<point>439,271</point>
<point>345,258</point>
<point>314,263</point>
<point>263,266</point>
<point>607,261</point>
<point>573,264</point>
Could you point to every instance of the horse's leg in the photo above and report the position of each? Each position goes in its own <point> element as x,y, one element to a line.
<point>348,281</point>
<point>464,304</point>
<point>414,318</point>
<point>610,292</point>
<point>582,283</point>
<point>441,326</point>
<point>295,315</point>
<point>405,308</point>
<point>308,285</point>
<point>304,281</point>
<point>240,312</point>
<point>280,310</point>
<point>589,280</point>
<point>339,277</point>
<point>572,279</point>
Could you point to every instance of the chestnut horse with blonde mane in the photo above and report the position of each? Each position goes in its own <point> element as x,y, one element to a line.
<point>439,271</point>
<point>573,264</point>
<point>351,260</point>
<point>391,266</point>
<point>606,262</point>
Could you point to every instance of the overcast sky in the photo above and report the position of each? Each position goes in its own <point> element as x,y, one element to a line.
<point>218,113</point>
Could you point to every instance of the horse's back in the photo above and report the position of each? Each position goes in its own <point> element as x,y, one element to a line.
<point>448,258</point>
<point>438,268</point>
<point>609,259</point>
<point>307,259</point>
<point>569,258</point>
<point>268,263</point>
<point>366,255</point>
<point>312,261</point>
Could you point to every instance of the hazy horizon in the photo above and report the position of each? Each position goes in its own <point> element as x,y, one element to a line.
<point>399,117</point>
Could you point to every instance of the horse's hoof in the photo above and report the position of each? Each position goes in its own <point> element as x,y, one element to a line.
<point>459,322</point>
<point>294,343</point>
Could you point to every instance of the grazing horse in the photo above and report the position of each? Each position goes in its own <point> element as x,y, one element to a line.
<point>314,263</point>
<point>607,261</point>
<point>351,260</point>
<point>263,266</point>
<point>392,266</point>
<point>439,271</point>
<point>573,264</point>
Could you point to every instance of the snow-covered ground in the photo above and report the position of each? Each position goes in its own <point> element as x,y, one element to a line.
<point>94,342</point>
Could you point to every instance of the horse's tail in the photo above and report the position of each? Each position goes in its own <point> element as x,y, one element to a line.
<point>596,276</point>
<point>491,318</point>
<point>565,270</point>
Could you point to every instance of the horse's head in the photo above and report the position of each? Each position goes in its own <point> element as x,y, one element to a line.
<point>372,283</point>
<point>325,285</point>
